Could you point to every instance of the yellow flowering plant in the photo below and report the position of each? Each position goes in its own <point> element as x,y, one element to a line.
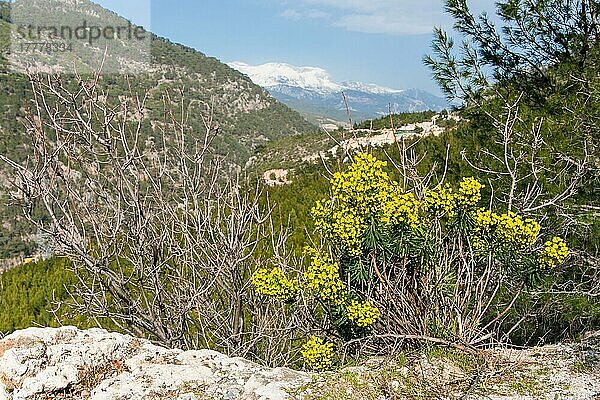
<point>318,354</point>
<point>360,196</point>
<point>323,278</point>
<point>363,314</point>
<point>507,231</point>
<point>441,201</point>
<point>469,192</point>
<point>274,283</point>
<point>448,202</point>
<point>420,263</point>
<point>554,253</point>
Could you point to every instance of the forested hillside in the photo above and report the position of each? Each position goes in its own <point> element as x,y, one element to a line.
<point>207,89</point>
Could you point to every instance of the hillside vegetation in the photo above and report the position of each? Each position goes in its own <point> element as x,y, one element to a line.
<point>485,234</point>
<point>248,116</point>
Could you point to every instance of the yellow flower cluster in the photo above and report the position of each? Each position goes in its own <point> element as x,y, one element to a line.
<point>511,230</point>
<point>323,277</point>
<point>517,230</point>
<point>347,229</point>
<point>554,253</point>
<point>469,192</point>
<point>317,354</point>
<point>363,192</point>
<point>322,215</point>
<point>445,201</point>
<point>403,208</point>
<point>274,283</point>
<point>362,314</point>
<point>485,220</point>
<point>441,201</point>
<point>362,185</point>
<point>341,226</point>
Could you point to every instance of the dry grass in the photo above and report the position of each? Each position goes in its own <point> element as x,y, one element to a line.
<point>440,373</point>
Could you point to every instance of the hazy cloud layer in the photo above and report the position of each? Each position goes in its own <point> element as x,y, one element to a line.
<point>297,14</point>
<point>395,17</point>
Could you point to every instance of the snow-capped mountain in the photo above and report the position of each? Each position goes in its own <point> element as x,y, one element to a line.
<point>311,91</point>
<point>370,88</point>
<point>277,74</point>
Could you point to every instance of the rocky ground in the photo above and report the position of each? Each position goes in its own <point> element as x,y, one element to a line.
<point>553,372</point>
<point>67,363</point>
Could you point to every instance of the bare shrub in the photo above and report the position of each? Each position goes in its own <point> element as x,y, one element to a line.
<point>162,239</point>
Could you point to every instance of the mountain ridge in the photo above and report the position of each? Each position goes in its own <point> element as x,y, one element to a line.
<point>247,113</point>
<point>312,92</point>
<point>314,78</point>
<point>248,116</point>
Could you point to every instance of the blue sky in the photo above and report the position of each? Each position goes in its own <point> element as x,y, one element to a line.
<point>375,41</point>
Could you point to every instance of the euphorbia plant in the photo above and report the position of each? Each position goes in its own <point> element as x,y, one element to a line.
<point>428,265</point>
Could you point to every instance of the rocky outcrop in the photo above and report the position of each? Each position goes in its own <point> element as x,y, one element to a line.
<point>69,363</point>
<point>276,177</point>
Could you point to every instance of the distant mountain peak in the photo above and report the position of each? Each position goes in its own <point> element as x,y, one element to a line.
<point>369,88</point>
<point>280,74</point>
<point>273,74</point>
<point>312,91</point>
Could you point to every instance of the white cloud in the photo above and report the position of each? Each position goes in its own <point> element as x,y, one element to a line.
<point>394,17</point>
<point>389,24</point>
<point>295,14</point>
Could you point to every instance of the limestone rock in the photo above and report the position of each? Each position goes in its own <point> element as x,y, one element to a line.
<point>95,364</point>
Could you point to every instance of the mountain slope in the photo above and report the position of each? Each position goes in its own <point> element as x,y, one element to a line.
<point>248,115</point>
<point>312,92</point>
